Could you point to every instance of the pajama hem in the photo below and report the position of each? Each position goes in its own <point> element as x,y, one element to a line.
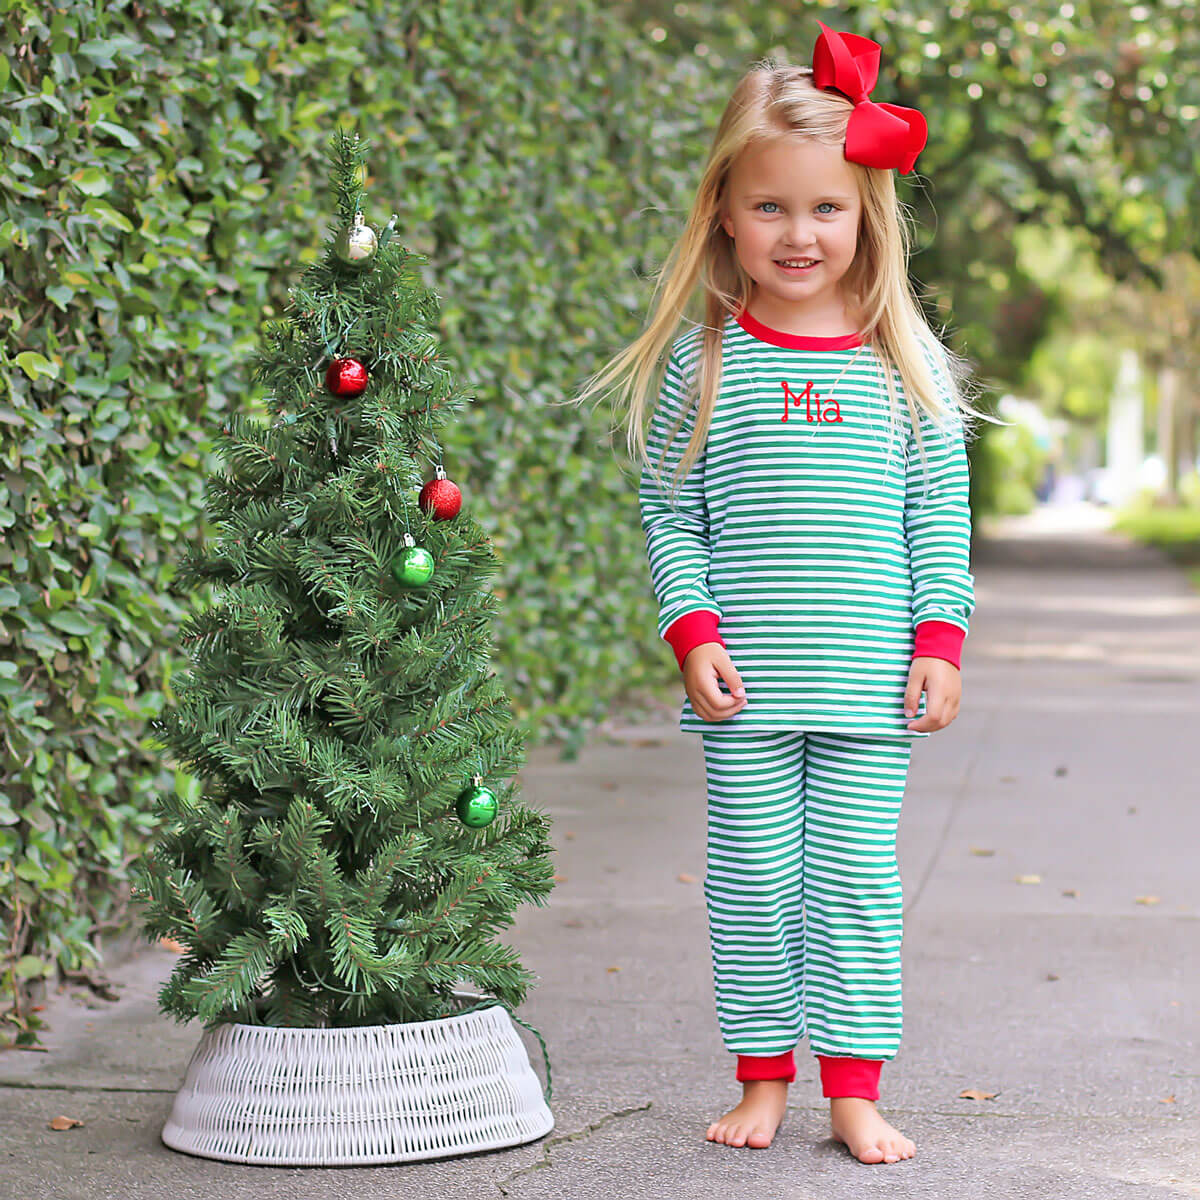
<point>850,1077</point>
<point>776,1066</point>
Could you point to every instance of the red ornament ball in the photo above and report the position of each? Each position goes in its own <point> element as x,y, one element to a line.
<point>346,377</point>
<point>441,499</point>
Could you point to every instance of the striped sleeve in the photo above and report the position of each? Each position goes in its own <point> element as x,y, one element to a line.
<point>677,544</point>
<point>937,526</point>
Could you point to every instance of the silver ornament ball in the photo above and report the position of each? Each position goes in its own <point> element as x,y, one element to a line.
<point>356,246</point>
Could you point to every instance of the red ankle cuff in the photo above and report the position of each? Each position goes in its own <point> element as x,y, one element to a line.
<point>850,1076</point>
<point>775,1066</point>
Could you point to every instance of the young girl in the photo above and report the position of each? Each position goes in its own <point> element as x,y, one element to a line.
<point>810,554</point>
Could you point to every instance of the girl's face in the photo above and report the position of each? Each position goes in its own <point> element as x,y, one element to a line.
<point>793,199</point>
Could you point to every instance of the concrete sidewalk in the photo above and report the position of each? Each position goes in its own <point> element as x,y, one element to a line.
<point>1073,998</point>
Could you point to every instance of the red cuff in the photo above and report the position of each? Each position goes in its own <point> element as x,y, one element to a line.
<point>691,630</point>
<point>939,639</point>
<point>774,1066</point>
<point>850,1076</point>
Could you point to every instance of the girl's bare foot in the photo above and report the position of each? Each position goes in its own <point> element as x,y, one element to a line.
<point>857,1123</point>
<point>754,1121</point>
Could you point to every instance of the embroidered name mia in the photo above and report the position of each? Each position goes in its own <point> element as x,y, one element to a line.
<point>812,403</point>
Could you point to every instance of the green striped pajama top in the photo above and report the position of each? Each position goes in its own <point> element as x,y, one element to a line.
<point>822,566</point>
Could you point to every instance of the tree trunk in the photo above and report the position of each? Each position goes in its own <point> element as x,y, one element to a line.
<point>1168,446</point>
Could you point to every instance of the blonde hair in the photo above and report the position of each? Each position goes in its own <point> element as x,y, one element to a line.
<point>771,102</point>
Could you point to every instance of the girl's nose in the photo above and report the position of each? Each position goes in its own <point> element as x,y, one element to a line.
<point>800,243</point>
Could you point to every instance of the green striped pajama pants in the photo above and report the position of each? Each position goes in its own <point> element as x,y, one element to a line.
<point>803,890</point>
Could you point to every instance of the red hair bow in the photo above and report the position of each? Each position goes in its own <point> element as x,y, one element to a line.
<point>877,135</point>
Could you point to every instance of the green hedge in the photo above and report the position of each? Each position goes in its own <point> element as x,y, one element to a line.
<point>1006,467</point>
<point>1175,531</point>
<point>162,187</point>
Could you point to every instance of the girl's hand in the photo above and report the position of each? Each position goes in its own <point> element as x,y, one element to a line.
<point>942,682</point>
<point>704,665</point>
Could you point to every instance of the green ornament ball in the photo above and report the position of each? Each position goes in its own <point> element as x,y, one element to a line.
<point>413,566</point>
<point>477,807</point>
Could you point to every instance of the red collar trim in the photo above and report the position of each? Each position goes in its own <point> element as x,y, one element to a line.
<point>795,341</point>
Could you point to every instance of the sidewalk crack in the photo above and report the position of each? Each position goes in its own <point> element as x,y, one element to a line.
<point>29,1085</point>
<point>575,1136</point>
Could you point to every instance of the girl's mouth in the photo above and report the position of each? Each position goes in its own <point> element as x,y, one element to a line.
<point>796,270</point>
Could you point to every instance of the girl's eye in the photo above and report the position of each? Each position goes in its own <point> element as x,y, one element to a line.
<point>824,204</point>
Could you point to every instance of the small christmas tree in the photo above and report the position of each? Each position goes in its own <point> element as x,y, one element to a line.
<point>354,846</point>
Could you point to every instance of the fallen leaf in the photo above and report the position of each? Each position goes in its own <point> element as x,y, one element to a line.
<point>1060,770</point>
<point>60,1123</point>
<point>1050,975</point>
<point>573,924</point>
<point>1131,809</point>
<point>982,852</point>
<point>609,785</point>
<point>647,741</point>
<point>171,944</point>
<point>569,836</point>
<point>559,878</point>
<point>684,877</point>
<point>1169,1100</point>
<point>975,1094</point>
<point>1029,879</point>
<point>1008,779</point>
<point>611,969</point>
<point>1074,892</point>
<point>1146,900</point>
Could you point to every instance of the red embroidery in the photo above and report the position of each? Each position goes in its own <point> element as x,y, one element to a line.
<point>832,413</point>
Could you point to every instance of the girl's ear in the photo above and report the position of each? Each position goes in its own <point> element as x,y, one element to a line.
<point>727,225</point>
